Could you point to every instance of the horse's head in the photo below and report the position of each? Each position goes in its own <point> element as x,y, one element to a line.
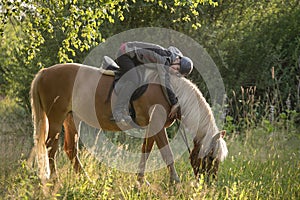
<point>208,163</point>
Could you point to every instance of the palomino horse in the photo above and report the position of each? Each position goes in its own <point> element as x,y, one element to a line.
<point>55,102</point>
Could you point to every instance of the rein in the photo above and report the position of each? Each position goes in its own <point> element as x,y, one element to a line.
<point>184,137</point>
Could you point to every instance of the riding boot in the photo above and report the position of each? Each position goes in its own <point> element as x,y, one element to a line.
<point>120,109</point>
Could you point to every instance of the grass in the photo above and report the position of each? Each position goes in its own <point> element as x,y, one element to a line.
<point>263,163</point>
<point>15,138</point>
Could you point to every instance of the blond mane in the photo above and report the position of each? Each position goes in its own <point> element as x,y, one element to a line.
<point>198,117</point>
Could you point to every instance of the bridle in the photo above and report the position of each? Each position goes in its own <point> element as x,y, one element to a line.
<point>183,135</point>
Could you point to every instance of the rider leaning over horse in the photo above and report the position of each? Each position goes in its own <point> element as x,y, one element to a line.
<point>165,61</point>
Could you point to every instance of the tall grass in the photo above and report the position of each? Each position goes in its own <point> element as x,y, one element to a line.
<point>15,138</point>
<point>260,167</point>
<point>263,163</point>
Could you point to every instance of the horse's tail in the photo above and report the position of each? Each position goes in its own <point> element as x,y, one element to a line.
<point>40,122</point>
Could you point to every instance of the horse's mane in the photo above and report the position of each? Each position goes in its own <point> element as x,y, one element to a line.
<point>198,117</point>
<point>196,112</point>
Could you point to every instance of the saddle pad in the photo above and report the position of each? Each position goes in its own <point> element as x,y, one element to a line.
<point>109,67</point>
<point>107,72</point>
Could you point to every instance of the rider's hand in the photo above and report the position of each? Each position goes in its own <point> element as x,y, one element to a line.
<point>174,111</point>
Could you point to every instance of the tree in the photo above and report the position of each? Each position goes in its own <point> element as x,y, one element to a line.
<point>251,37</point>
<point>52,31</point>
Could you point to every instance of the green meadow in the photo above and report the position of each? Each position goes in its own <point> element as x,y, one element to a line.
<point>263,163</point>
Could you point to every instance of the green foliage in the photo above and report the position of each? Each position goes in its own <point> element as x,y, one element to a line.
<point>48,32</point>
<point>10,113</point>
<point>246,39</point>
<point>250,38</point>
<point>40,33</point>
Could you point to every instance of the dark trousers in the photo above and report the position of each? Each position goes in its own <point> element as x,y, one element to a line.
<point>127,66</point>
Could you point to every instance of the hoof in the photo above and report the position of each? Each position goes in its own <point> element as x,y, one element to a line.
<point>174,180</point>
<point>142,181</point>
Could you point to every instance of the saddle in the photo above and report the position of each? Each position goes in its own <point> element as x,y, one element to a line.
<point>111,68</point>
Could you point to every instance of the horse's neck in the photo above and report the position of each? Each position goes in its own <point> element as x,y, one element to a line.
<point>196,112</point>
<point>197,118</point>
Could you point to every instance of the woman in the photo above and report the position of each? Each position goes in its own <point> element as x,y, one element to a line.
<point>165,61</point>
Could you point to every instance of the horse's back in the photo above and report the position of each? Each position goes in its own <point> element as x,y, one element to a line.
<point>57,84</point>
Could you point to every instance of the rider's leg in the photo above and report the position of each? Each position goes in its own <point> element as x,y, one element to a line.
<point>124,89</point>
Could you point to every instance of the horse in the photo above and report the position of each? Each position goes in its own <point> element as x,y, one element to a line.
<point>61,93</point>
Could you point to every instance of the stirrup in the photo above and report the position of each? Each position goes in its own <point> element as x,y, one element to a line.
<point>122,117</point>
<point>125,121</point>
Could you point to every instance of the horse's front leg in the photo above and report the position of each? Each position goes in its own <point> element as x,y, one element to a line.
<point>146,149</point>
<point>167,155</point>
<point>156,132</point>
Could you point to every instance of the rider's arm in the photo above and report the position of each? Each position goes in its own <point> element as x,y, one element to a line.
<point>164,77</point>
<point>149,53</point>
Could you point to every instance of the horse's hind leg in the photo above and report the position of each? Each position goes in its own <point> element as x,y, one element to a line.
<point>71,142</point>
<point>52,142</point>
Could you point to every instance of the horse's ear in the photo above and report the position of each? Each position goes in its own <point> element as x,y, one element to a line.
<point>223,133</point>
<point>217,136</point>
